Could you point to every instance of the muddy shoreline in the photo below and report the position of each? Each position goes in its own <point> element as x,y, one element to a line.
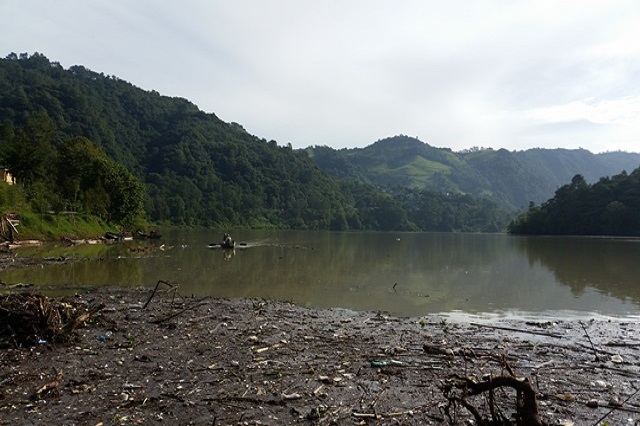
<point>258,362</point>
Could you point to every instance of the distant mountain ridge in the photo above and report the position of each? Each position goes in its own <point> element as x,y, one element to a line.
<point>511,178</point>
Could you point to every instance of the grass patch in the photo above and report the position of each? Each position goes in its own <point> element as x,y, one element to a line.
<point>414,174</point>
<point>56,226</point>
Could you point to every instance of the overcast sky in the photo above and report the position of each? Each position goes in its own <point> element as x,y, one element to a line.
<point>345,73</point>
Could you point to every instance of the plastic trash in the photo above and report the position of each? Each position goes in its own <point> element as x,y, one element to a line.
<point>616,358</point>
<point>104,336</point>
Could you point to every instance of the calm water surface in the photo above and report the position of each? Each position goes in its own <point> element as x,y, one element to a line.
<point>409,274</point>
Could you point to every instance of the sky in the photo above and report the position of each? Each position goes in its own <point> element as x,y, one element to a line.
<point>513,74</point>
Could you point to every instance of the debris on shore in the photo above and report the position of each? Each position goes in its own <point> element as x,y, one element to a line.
<point>153,357</point>
<point>28,319</point>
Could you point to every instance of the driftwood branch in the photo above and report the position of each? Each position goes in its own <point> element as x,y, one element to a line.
<point>526,404</point>
<point>48,387</point>
<point>155,290</point>
<point>616,408</point>
<point>182,311</point>
<point>77,321</point>
<point>595,352</point>
<point>518,330</point>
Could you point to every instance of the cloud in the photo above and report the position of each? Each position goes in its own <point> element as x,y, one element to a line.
<point>610,111</point>
<point>349,72</point>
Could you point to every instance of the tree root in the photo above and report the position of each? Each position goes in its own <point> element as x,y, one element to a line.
<point>457,389</point>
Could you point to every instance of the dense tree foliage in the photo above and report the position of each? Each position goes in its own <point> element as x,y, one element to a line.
<point>610,206</point>
<point>196,169</point>
<point>70,175</point>
<point>93,183</point>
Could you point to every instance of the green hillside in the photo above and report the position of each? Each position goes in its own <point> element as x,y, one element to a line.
<point>512,179</point>
<point>197,170</point>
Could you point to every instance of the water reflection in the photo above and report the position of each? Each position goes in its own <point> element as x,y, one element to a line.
<point>610,265</point>
<point>406,274</point>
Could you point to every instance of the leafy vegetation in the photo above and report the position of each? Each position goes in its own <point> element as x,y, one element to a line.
<point>80,140</point>
<point>610,206</point>
<point>71,175</point>
<point>48,226</point>
<point>53,226</point>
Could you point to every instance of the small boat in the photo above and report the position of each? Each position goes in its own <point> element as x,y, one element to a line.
<point>112,236</point>
<point>226,246</point>
<point>227,242</point>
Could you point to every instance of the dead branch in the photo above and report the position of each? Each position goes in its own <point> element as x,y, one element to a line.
<point>433,349</point>
<point>526,404</point>
<point>518,330</point>
<point>616,408</point>
<point>623,344</point>
<point>77,321</point>
<point>156,289</point>
<point>30,319</point>
<point>182,311</point>
<point>365,415</point>
<point>48,387</point>
<point>597,358</point>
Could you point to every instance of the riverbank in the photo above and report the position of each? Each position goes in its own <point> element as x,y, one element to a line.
<point>142,360</point>
<point>25,226</point>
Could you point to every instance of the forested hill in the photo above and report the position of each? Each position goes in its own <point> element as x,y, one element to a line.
<point>610,206</point>
<point>512,179</point>
<point>199,170</point>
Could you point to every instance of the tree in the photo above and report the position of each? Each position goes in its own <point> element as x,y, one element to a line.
<point>609,207</point>
<point>77,173</point>
<point>91,181</point>
<point>29,153</point>
<point>126,193</point>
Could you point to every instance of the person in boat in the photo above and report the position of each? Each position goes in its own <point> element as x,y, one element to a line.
<point>227,241</point>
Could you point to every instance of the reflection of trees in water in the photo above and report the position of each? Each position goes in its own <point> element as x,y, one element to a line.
<point>456,251</point>
<point>610,265</point>
<point>86,266</point>
<point>434,272</point>
<point>109,272</point>
<point>363,267</point>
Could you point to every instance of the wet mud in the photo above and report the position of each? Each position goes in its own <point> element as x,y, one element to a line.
<point>149,357</point>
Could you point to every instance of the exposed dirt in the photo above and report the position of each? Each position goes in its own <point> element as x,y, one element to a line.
<point>246,362</point>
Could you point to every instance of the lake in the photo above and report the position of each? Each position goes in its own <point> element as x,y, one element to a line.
<point>407,274</point>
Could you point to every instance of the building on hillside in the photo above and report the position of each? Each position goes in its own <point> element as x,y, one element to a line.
<point>5,176</point>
